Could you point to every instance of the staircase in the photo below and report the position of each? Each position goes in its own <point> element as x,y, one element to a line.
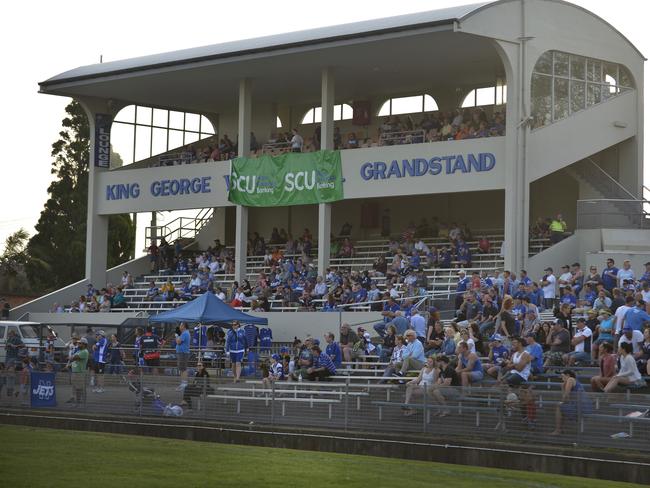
<point>623,208</point>
<point>184,228</point>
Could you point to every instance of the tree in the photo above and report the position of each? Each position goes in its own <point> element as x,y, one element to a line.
<point>12,264</point>
<point>57,250</point>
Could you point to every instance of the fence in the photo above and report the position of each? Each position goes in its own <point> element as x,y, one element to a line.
<point>355,404</point>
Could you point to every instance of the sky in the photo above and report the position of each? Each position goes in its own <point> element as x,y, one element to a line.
<point>42,39</point>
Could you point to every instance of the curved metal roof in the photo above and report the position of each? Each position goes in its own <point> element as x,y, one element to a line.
<point>267,43</point>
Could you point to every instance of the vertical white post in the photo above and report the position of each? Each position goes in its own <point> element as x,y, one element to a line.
<point>244,137</point>
<point>96,225</point>
<point>327,142</point>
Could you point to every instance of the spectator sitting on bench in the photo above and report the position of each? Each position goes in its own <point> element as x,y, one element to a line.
<point>446,384</point>
<point>322,367</point>
<point>395,358</point>
<point>574,397</point>
<point>581,343</point>
<point>276,371</point>
<point>469,366</point>
<point>643,356</point>
<point>607,363</point>
<point>628,374</point>
<point>559,342</point>
<point>420,385</point>
<point>498,356</point>
<point>412,356</point>
<point>519,364</point>
<point>153,292</point>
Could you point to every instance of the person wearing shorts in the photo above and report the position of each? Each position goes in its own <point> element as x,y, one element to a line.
<point>446,386</point>
<point>182,353</point>
<point>236,346</point>
<point>469,366</point>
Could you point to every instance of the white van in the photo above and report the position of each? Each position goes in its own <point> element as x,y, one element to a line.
<point>28,333</point>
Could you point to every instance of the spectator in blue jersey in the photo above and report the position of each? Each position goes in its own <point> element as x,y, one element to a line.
<point>645,277</point>
<point>536,354</point>
<point>497,356</point>
<point>444,258</point>
<point>100,350</point>
<point>388,313</point>
<point>322,368</point>
<point>182,353</point>
<point>537,296</point>
<point>276,371</point>
<point>333,350</point>
<point>568,297</point>
<point>153,292</point>
<point>200,337</point>
<point>419,325</point>
<point>461,288</point>
<point>236,346</point>
<point>610,276</point>
<point>463,255</point>
<point>589,296</point>
<point>636,317</point>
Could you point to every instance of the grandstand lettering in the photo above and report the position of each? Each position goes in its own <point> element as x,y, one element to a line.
<point>182,186</point>
<point>450,164</point>
<point>122,191</point>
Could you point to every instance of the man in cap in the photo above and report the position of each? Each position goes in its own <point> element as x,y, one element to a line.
<point>581,343</point>
<point>536,354</point>
<point>637,316</point>
<point>99,360</point>
<point>497,356</point>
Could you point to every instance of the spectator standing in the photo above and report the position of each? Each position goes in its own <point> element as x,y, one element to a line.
<point>548,282</point>
<point>78,368</point>
<point>100,349</point>
<point>333,350</point>
<point>610,276</point>
<point>182,353</point>
<point>297,141</point>
<point>236,346</point>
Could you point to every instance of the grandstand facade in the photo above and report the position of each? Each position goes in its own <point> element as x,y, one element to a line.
<point>554,93</point>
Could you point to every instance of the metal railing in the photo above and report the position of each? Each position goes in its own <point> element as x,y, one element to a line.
<point>179,228</point>
<point>489,412</point>
<point>402,137</point>
<point>612,214</point>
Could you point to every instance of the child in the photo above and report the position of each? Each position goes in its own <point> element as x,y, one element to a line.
<point>276,371</point>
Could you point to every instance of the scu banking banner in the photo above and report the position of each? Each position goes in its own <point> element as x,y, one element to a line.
<point>288,179</point>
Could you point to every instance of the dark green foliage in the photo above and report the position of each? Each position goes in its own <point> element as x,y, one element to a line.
<point>57,250</point>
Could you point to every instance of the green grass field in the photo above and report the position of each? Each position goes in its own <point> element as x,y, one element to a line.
<point>47,457</point>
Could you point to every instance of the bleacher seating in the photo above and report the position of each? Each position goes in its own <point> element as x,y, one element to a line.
<point>441,281</point>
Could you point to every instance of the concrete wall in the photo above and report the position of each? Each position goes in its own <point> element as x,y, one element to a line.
<point>564,252</point>
<point>66,295</point>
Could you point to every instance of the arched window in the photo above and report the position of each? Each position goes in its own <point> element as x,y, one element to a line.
<point>408,105</point>
<point>563,84</point>
<point>315,114</point>
<point>141,132</point>
<point>491,95</point>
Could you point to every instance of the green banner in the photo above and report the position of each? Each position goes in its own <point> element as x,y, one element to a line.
<point>288,179</point>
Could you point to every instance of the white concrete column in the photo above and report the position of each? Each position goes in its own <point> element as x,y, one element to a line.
<point>241,241</point>
<point>96,225</point>
<point>243,150</point>
<point>327,142</point>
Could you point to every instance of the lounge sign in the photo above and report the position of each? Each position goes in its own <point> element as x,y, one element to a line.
<point>103,124</point>
<point>288,179</point>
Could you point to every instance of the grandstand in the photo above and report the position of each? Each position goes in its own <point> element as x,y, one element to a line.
<point>443,161</point>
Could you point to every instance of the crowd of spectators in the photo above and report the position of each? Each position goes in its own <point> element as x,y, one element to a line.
<point>468,123</point>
